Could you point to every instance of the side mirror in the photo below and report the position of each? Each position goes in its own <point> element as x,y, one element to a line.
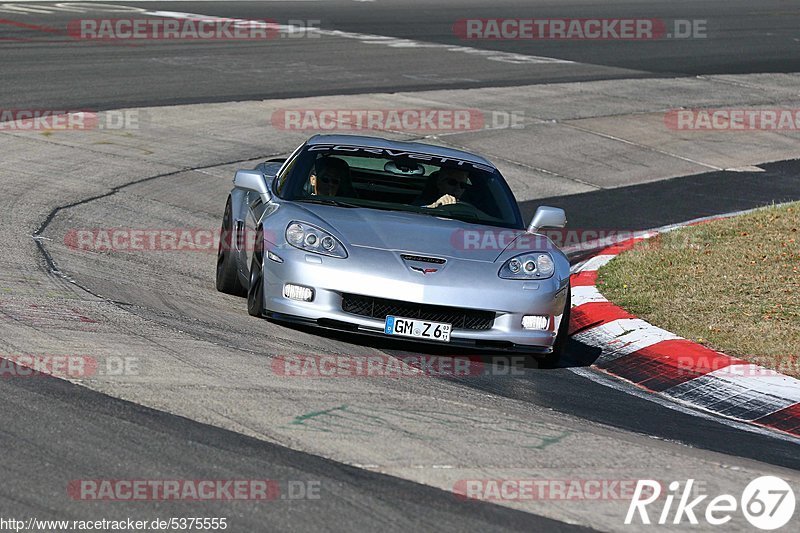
<point>252,180</point>
<point>547,217</point>
<point>270,167</point>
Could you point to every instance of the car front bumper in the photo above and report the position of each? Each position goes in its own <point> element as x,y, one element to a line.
<point>378,277</point>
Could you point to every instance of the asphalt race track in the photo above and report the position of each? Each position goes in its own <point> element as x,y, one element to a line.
<point>204,401</point>
<point>169,73</point>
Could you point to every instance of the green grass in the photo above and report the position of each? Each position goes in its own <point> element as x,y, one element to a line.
<point>732,285</point>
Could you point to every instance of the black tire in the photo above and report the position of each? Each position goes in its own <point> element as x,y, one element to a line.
<point>551,360</point>
<point>255,292</point>
<point>227,276</point>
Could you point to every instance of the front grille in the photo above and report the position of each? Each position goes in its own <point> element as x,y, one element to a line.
<point>380,308</point>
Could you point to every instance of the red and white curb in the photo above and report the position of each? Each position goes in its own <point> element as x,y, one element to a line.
<point>668,365</point>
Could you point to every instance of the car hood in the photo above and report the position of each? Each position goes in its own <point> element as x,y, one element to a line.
<point>411,232</point>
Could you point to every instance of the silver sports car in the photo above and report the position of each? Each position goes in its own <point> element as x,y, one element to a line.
<point>403,239</point>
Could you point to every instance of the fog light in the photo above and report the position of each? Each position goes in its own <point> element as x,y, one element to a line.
<point>535,321</point>
<point>298,292</point>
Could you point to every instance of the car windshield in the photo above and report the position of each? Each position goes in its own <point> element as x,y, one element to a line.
<point>395,180</point>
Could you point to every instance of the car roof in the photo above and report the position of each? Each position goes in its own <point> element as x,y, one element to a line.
<point>379,142</point>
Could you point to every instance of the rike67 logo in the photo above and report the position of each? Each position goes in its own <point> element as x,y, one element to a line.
<point>767,503</point>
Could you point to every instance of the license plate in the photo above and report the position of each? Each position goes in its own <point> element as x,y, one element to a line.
<point>421,329</point>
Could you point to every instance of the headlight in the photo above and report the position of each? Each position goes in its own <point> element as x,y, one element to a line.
<point>313,239</point>
<point>535,265</point>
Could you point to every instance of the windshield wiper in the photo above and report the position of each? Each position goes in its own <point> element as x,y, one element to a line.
<point>453,216</point>
<point>330,201</point>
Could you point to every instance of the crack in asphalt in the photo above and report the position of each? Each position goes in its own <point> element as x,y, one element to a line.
<point>50,264</point>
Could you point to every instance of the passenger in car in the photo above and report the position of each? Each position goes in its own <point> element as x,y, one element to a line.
<point>330,175</point>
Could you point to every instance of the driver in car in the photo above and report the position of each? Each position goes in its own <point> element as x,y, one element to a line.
<point>451,184</point>
<point>328,174</point>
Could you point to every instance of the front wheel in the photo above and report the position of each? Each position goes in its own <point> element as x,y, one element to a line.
<point>255,292</point>
<point>551,360</point>
<point>227,275</point>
